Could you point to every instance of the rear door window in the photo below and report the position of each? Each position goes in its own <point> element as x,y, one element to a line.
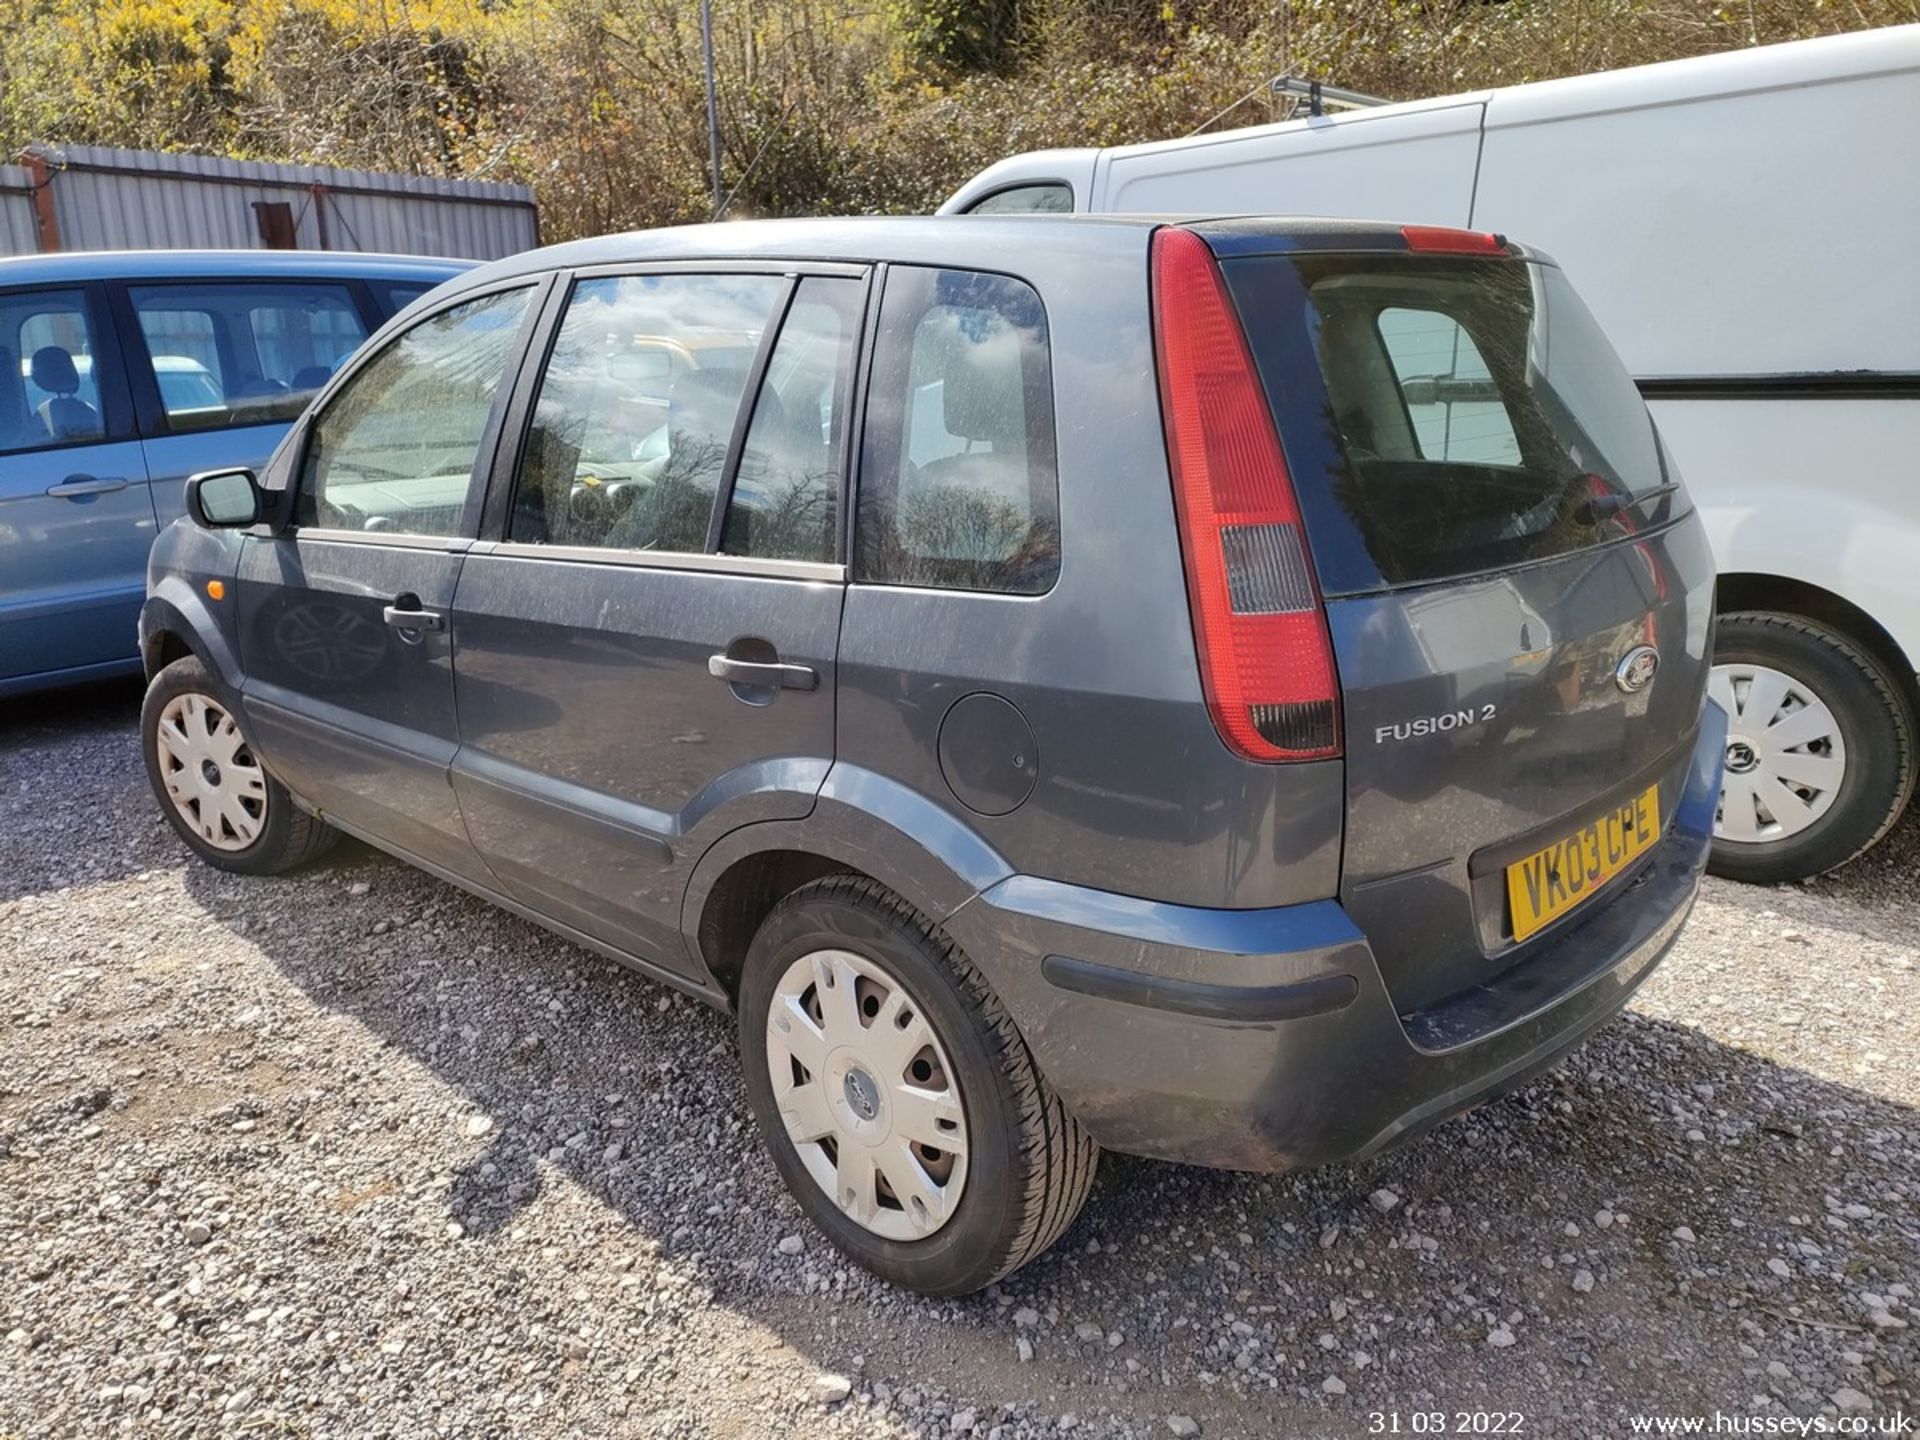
<point>1479,417</point>
<point>637,409</point>
<point>49,381</point>
<point>399,294</point>
<point>230,353</point>
<point>958,487</point>
<point>785,501</point>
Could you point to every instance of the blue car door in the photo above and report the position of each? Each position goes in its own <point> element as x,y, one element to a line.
<point>76,513</point>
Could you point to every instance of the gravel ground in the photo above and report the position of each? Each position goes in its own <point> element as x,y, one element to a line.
<point>351,1153</point>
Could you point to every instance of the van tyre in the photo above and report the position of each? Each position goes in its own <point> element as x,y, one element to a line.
<point>1871,728</point>
<point>213,790</point>
<point>887,1044</point>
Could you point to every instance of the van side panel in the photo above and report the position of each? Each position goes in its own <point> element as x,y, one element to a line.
<point>1740,232</point>
<point>1816,490</point>
<point>1411,165</point>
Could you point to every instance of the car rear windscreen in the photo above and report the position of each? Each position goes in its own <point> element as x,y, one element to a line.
<point>1477,417</point>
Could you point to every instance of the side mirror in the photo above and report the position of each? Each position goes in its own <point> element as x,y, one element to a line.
<point>224,499</point>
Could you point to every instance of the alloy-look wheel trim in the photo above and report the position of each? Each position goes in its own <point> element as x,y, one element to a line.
<point>867,1094</point>
<point>1786,758</point>
<point>211,776</point>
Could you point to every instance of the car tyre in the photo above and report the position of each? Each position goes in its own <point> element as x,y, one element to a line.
<point>1028,1163</point>
<point>1872,727</point>
<point>229,809</point>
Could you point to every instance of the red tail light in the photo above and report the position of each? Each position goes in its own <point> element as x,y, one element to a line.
<point>1445,240</point>
<point>1259,626</point>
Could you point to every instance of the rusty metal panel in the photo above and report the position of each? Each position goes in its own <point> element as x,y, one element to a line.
<point>17,229</point>
<point>112,199</point>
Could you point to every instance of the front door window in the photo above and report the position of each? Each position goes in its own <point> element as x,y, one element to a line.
<point>394,450</point>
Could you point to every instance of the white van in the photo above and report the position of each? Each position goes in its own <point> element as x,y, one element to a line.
<point>1747,228</point>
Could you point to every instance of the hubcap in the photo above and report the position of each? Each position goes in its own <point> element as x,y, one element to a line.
<point>867,1095</point>
<point>1785,755</point>
<point>209,772</point>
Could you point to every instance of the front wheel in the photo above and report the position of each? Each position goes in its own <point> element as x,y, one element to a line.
<point>1820,748</point>
<point>901,1106</point>
<point>211,785</point>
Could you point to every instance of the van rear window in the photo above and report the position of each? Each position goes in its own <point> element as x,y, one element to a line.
<point>1479,417</point>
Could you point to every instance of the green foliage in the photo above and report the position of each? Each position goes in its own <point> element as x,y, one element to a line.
<point>824,107</point>
<point>961,37</point>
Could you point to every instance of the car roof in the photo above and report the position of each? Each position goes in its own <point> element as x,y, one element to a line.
<point>81,265</point>
<point>969,241</point>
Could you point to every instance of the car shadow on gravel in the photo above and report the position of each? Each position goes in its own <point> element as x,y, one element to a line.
<point>1883,884</point>
<point>66,759</point>
<point>572,1067</point>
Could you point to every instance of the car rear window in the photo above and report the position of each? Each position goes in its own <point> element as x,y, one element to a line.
<point>1478,418</point>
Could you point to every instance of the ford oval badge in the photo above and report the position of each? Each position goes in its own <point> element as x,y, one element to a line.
<point>1636,669</point>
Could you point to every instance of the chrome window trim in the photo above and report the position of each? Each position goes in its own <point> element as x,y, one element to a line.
<point>392,539</point>
<point>749,566</point>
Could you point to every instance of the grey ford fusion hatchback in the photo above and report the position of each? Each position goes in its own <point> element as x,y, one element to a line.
<point>1230,691</point>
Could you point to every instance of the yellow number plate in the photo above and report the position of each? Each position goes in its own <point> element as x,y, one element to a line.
<point>1550,882</point>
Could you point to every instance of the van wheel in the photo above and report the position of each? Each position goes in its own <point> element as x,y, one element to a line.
<point>210,784</point>
<point>1820,748</point>
<point>902,1108</point>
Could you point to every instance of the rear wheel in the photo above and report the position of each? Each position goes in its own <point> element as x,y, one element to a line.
<point>900,1104</point>
<point>1820,748</point>
<point>210,784</point>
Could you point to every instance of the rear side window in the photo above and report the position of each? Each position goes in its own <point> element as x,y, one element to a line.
<point>393,449</point>
<point>1480,419</point>
<point>243,354</point>
<point>957,480</point>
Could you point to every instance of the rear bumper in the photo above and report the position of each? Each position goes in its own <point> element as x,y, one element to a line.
<point>1266,1039</point>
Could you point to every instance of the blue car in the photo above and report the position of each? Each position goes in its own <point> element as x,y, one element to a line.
<point>120,375</point>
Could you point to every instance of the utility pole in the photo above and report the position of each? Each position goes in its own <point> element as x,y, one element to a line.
<point>713,108</point>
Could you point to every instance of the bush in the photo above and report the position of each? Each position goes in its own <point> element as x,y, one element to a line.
<point>825,108</point>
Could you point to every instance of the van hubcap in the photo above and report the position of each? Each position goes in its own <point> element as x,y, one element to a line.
<point>1785,757</point>
<point>209,772</point>
<point>867,1095</point>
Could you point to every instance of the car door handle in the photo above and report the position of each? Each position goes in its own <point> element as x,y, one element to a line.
<point>75,486</point>
<point>417,620</point>
<point>769,673</point>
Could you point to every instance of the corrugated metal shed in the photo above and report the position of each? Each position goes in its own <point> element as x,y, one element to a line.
<point>16,211</point>
<point>111,199</point>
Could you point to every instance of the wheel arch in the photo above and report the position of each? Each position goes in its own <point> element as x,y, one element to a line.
<point>162,649</point>
<point>862,824</point>
<point>1750,590</point>
<point>175,623</point>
